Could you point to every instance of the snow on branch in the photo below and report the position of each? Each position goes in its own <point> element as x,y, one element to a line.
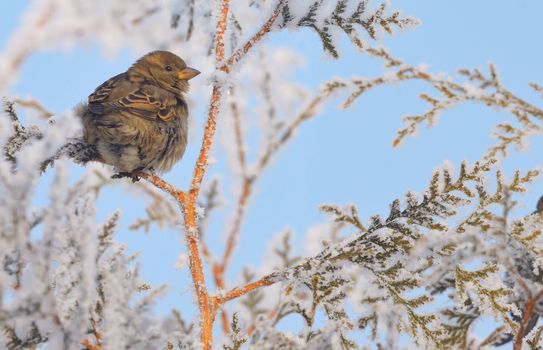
<point>391,278</point>
<point>346,16</point>
<point>65,270</point>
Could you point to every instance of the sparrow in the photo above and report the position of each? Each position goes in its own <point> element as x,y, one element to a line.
<point>137,120</point>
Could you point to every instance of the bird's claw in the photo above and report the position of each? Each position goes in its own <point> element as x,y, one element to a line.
<point>132,175</point>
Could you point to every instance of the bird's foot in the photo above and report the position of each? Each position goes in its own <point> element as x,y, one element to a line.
<point>133,175</point>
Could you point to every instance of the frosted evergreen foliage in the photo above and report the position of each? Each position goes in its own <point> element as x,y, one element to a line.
<point>62,274</point>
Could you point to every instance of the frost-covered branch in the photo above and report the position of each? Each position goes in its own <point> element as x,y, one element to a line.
<point>58,279</point>
<point>206,308</point>
<point>487,90</point>
<point>35,105</point>
<point>279,138</point>
<point>326,20</point>
<point>22,42</point>
<point>379,248</point>
<point>241,52</point>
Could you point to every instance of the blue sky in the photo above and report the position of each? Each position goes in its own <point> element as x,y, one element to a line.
<point>341,157</point>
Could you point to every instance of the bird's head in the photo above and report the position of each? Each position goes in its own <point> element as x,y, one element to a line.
<point>165,69</point>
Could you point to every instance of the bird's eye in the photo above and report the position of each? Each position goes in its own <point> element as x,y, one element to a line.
<point>168,68</point>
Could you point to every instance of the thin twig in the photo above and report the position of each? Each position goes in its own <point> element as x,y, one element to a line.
<point>249,287</point>
<point>249,44</point>
<point>220,268</point>
<point>178,195</point>
<point>97,335</point>
<point>239,135</point>
<point>34,104</point>
<point>23,51</point>
<point>310,111</point>
<point>232,237</point>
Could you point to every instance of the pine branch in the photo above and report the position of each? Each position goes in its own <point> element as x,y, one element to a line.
<point>373,22</point>
<point>20,136</point>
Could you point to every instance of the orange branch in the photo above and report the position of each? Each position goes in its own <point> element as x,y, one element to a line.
<point>90,346</point>
<point>207,310</point>
<point>241,52</point>
<point>220,268</point>
<point>232,237</point>
<point>250,287</point>
<point>178,195</point>
<point>93,346</point>
<point>191,222</point>
<point>208,306</point>
<point>527,315</point>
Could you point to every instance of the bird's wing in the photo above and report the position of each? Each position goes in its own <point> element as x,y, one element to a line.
<point>102,92</point>
<point>146,101</point>
<point>150,102</point>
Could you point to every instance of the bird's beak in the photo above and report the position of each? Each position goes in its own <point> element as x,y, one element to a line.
<point>187,73</point>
